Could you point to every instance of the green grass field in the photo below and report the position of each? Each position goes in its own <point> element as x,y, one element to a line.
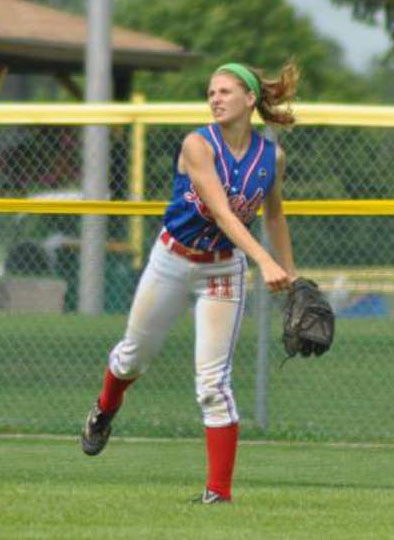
<point>141,489</point>
<point>52,366</point>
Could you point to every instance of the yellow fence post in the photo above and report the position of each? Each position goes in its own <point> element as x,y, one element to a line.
<point>137,186</point>
<point>3,74</point>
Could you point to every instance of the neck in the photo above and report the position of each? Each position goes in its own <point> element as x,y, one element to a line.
<point>237,137</point>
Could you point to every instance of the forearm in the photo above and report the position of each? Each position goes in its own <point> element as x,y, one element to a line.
<point>238,233</point>
<point>279,234</point>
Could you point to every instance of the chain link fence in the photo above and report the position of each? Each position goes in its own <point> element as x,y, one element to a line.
<point>53,357</point>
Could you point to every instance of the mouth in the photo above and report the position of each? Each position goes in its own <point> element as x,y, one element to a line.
<point>217,111</point>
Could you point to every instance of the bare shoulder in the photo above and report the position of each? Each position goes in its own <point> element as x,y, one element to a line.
<point>195,152</point>
<point>194,142</point>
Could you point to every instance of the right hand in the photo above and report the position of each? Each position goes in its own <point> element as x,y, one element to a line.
<point>275,278</point>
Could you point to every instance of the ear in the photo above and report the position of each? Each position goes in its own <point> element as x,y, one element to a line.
<point>251,99</point>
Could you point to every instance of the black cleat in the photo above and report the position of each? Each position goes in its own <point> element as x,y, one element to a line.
<point>96,431</point>
<point>210,497</point>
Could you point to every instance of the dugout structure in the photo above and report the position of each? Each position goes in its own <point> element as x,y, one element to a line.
<point>340,206</point>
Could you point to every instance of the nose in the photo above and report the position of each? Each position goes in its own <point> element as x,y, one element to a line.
<point>215,99</point>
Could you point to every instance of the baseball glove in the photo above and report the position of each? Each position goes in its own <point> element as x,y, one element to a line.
<point>308,320</point>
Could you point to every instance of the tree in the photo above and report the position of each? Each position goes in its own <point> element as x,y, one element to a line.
<point>382,68</point>
<point>366,10</point>
<point>259,32</point>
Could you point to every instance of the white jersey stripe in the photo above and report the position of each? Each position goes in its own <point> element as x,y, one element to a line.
<point>252,167</point>
<point>221,157</point>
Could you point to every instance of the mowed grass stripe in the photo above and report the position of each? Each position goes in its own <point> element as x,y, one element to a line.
<point>141,489</point>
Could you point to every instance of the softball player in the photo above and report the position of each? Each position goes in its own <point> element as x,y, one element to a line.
<point>223,173</point>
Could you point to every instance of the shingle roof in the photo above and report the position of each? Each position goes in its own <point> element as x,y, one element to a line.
<point>33,37</point>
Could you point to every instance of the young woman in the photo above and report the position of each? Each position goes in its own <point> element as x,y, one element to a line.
<point>223,174</point>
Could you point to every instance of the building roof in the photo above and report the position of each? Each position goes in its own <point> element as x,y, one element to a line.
<point>37,38</point>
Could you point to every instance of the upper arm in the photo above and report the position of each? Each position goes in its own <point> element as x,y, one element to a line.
<point>273,202</point>
<point>198,161</point>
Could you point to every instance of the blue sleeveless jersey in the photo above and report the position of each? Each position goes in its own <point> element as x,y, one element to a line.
<point>246,183</point>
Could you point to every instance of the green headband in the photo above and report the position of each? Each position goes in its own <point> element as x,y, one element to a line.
<point>245,75</point>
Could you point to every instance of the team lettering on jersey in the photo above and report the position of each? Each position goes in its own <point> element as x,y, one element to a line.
<point>245,209</point>
<point>245,182</point>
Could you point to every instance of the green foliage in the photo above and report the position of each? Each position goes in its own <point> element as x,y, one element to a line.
<point>261,33</point>
<point>264,33</point>
<point>366,10</point>
<point>382,75</point>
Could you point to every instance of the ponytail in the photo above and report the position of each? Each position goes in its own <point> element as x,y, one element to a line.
<point>276,92</point>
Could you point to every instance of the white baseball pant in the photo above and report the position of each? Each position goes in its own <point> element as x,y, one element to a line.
<point>162,295</point>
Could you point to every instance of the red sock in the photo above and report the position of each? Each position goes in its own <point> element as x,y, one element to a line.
<point>221,444</point>
<point>111,395</point>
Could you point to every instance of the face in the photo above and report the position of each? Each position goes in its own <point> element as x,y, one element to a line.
<point>228,99</point>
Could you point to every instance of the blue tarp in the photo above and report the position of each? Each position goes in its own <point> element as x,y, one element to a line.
<point>368,305</point>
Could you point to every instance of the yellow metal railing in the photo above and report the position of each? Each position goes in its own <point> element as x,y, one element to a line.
<point>183,113</point>
<point>141,114</point>
<point>137,184</point>
<point>156,208</point>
